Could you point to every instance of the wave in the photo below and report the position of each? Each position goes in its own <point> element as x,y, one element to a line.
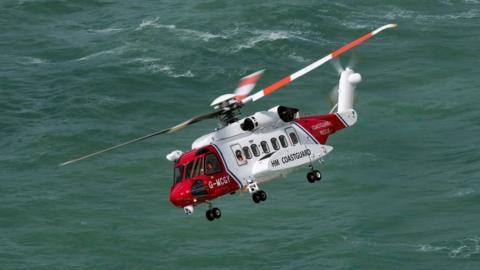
<point>396,13</point>
<point>265,36</point>
<point>183,32</point>
<point>299,58</point>
<point>115,51</point>
<point>463,192</point>
<point>169,71</point>
<point>32,60</point>
<point>108,30</point>
<point>153,65</point>
<point>461,249</point>
<point>153,23</point>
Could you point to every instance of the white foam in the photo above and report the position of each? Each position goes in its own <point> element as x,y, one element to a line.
<point>33,60</point>
<point>182,32</point>
<point>262,36</point>
<point>397,13</point>
<point>146,23</point>
<point>298,58</point>
<point>108,30</point>
<point>354,26</point>
<point>467,248</point>
<point>153,67</point>
<point>463,192</point>
<point>205,36</point>
<point>430,248</point>
<point>116,51</point>
<point>464,248</point>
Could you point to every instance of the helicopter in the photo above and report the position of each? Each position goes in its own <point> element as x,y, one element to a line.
<point>243,153</point>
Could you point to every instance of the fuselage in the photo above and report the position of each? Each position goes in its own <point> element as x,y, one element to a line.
<point>230,158</point>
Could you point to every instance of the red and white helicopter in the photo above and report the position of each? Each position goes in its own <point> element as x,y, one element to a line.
<point>243,153</point>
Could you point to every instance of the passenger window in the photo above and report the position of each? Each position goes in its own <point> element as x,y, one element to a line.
<point>237,152</point>
<point>247,152</point>
<point>294,138</point>
<point>255,150</point>
<point>265,147</point>
<point>283,141</point>
<point>239,155</point>
<point>211,164</point>
<point>275,144</point>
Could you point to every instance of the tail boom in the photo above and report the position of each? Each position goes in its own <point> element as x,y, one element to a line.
<point>320,127</point>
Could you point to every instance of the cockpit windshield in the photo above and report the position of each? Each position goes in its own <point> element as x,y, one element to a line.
<point>178,173</point>
<point>203,165</point>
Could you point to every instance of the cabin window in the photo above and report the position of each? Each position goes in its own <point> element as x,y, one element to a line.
<point>178,173</point>
<point>283,141</point>
<point>211,164</point>
<point>237,152</point>
<point>293,137</point>
<point>247,152</point>
<point>255,150</point>
<point>238,155</point>
<point>265,147</point>
<point>275,144</point>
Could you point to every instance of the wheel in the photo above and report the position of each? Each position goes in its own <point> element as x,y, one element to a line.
<point>311,177</point>
<point>256,197</point>
<point>317,174</point>
<point>263,195</point>
<point>210,215</point>
<point>216,212</point>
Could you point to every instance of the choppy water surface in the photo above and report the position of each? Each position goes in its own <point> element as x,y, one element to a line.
<point>400,191</point>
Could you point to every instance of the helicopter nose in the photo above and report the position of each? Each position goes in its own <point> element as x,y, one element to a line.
<point>180,195</point>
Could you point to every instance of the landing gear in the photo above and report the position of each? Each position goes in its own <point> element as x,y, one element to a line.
<point>213,213</point>
<point>313,176</point>
<point>259,196</point>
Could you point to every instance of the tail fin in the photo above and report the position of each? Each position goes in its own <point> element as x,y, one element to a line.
<point>346,89</point>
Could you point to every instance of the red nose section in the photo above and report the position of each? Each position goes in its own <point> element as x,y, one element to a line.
<point>180,194</point>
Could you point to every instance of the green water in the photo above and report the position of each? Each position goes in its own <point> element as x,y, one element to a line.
<point>401,189</point>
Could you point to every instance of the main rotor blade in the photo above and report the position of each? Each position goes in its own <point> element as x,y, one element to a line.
<point>246,84</point>
<point>168,130</point>
<point>277,85</point>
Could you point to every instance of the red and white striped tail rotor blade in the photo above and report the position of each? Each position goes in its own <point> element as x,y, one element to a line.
<point>277,85</point>
<point>246,84</point>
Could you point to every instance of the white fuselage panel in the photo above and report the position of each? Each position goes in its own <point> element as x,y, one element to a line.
<point>266,152</point>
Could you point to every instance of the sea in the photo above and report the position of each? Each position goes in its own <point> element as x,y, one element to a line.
<point>400,190</point>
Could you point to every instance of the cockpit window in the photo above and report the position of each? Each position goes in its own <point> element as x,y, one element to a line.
<point>211,164</point>
<point>188,172</point>
<point>178,173</point>
<point>198,169</point>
